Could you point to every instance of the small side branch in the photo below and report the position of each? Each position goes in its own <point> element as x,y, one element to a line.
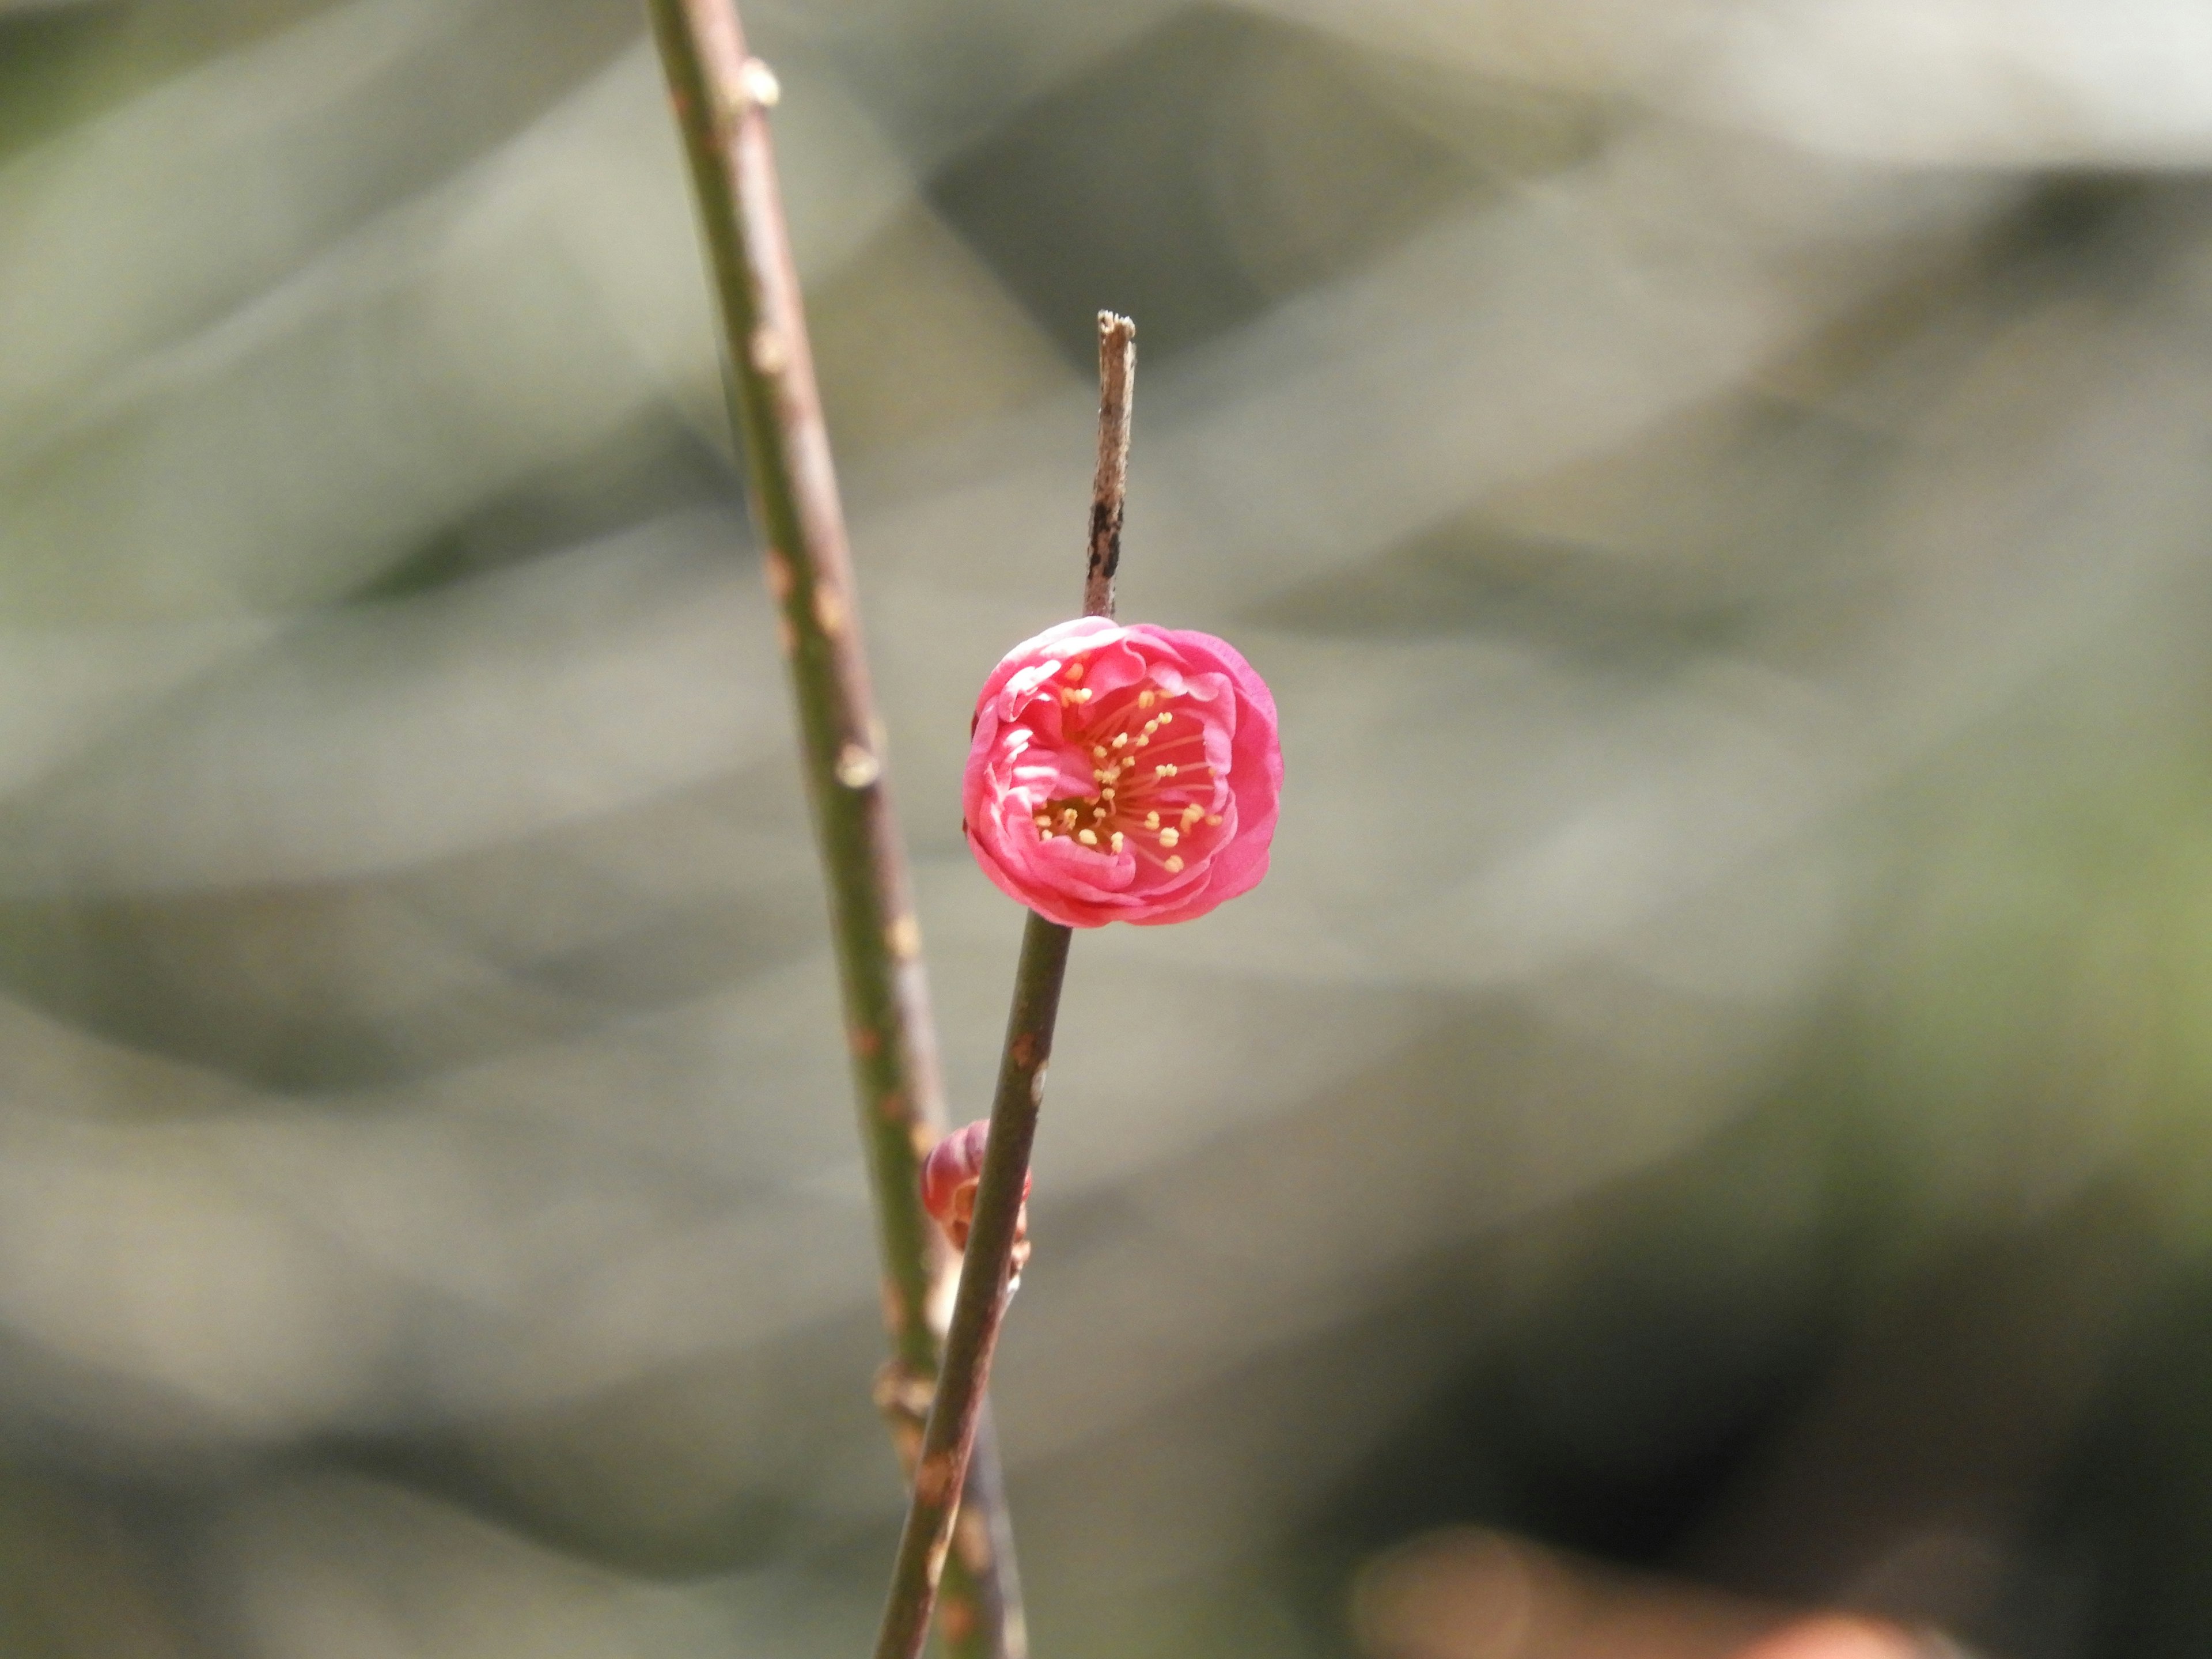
<point>721,94</point>
<point>1117,377</point>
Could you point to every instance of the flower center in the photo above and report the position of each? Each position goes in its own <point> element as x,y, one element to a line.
<point>1151,787</point>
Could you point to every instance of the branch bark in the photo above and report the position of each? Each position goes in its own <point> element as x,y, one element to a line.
<point>720,94</point>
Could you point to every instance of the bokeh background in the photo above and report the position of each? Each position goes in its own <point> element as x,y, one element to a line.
<point>1715,1086</point>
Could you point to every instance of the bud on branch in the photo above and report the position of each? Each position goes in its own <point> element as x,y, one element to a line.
<point>949,1177</point>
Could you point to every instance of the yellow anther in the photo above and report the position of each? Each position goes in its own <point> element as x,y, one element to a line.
<point>1151,726</point>
<point>1169,837</point>
<point>1164,770</point>
<point>1097,812</point>
<point>1098,751</point>
<point>1214,820</point>
<point>1115,842</point>
<point>1145,699</point>
<point>1107,792</point>
<point>1142,741</point>
<point>1166,714</point>
<point>1087,837</point>
<point>1075,671</point>
<point>1192,814</point>
<point>1043,820</point>
<point>1175,864</point>
<point>1152,820</point>
<point>1121,739</point>
<point>1067,817</point>
<point>1084,695</point>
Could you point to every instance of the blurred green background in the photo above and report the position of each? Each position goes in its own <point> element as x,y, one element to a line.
<point>1716,1081</point>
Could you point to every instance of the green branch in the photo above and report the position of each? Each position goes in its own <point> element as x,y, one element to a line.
<point>720,94</point>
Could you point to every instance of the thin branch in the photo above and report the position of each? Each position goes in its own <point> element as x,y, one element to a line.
<point>1117,375</point>
<point>987,1272</point>
<point>721,94</point>
<point>986,1278</point>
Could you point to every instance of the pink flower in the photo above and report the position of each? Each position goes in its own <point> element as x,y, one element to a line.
<point>950,1176</point>
<point>1122,773</point>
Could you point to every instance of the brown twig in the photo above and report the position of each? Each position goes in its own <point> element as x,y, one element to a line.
<point>985,1279</point>
<point>721,94</point>
<point>987,1272</point>
<point>1117,376</point>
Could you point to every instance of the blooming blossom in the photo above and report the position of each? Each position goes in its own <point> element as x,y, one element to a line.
<point>950,1176</point>
<point>1122,773</point>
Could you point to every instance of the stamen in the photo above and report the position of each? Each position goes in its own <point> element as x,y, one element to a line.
<point>1214,820</point>
<point>1098,751</point>
<point>1068,818</point>
<point>1166,714</point>
<point>1175,864</point>
<point>1087,837</point>
<point>1084,695</point>
<point>1043,820</point>
<point>1115,842</point>
<point>1145,699</point>
<point>1075,671</point>
<point>1152,820</point>
<point>1121,739</point>
<point>1098,812</point>
<point>1169,837</point>
<point>1192,814</point>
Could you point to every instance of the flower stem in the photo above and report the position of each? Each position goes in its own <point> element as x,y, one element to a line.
<point>986,1270</point>
<point>720,94</point>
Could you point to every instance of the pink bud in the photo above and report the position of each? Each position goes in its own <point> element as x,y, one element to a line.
<point>1122,773</point>
<point>950,1175</point>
